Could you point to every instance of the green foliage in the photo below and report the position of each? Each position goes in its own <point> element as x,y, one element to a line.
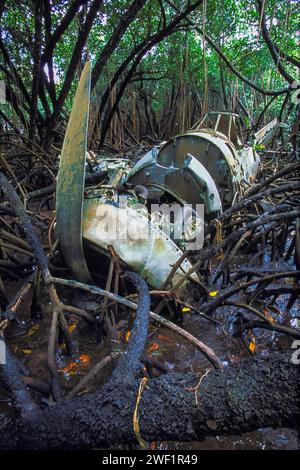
<point>176,61</point>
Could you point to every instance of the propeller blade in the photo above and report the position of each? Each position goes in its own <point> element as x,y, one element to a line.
<point>71,178</point>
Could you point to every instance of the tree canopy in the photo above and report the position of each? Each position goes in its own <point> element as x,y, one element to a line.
<point>158,65</point>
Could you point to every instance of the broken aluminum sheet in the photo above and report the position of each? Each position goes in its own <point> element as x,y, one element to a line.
<point>188,183</point>
<point>224,164</point>
<point>141,245</point>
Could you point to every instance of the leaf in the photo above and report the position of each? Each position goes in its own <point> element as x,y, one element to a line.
<point>269,316</point>
<point>163,338</point>
<point>85,359</point>
<point>153,347</point>
<point>33,330</point>
<point>127,336</point>
<point>27,351</point>
<point>258,147</point>
<point>72,327</point>
<point>185,309</point>
<point>252,345</point>
<point>213,293</point>
<point>70,368</point>
<point>136,424</point>
<point>73,367</point>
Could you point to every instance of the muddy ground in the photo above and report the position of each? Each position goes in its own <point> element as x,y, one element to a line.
<point>28,340</point>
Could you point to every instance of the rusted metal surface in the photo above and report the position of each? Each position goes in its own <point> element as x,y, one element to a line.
<point>70,183</point>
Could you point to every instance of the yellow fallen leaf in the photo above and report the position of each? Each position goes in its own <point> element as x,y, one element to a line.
<point>33,330</point>
<point>185,309</point>
<point>27,351</point>
<point>136,424</point>
<point>269,316</point>
<point>72,327</point>
<point>213,293</point>
<point>127,336</point>
<point>252,346</point>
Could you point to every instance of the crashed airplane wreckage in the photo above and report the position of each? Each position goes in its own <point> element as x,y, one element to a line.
<point>207,166</point>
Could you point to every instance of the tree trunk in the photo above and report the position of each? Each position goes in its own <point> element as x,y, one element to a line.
<point>36,68</point>
<point>256,393</point>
